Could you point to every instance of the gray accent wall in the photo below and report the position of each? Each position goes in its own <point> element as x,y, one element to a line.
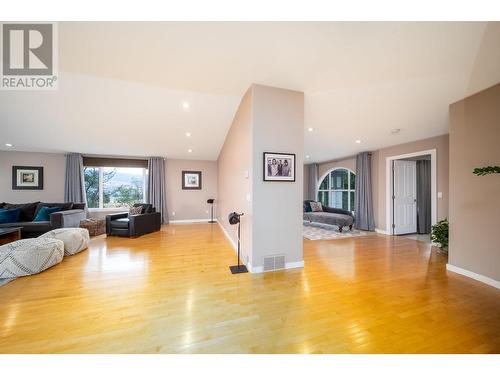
<point>53,176</point>
<point>278,126</point>
<point>190,204</point>
<point>475,200</point>
<point>268,119</point>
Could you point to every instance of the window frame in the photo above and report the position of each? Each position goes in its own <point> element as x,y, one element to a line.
<point>330,190</point>
<point>101,188</point>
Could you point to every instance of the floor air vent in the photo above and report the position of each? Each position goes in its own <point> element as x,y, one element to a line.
<point>273,263</point>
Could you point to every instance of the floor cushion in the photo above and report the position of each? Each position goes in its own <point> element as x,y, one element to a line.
<point>74,239</point>
<point>29,256</point>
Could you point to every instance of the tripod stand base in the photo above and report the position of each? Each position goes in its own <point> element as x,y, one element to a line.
<point>238,269</point>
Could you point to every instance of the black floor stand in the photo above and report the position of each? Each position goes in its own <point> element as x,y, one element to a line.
<point>212,215</point>
<point>240,268</point>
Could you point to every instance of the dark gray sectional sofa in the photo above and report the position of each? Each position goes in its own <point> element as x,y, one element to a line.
<point>329,215</point>
<point>69,217</point>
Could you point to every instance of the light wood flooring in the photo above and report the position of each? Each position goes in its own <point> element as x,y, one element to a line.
<point>172,292</point>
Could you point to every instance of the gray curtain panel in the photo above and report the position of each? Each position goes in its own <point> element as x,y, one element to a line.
<point>156,187</point>
<point>423,196</point>
<point>74,182</point>
<point>312,184</point>
<point>363,197</point>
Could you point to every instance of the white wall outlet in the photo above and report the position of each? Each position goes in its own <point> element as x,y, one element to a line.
<point>440,194</point>
<point>247,174</point>
<point>173,213</point>
<point>206,211</point>
<point>249,197</point>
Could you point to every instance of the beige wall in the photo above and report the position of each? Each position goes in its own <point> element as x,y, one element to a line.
<point>278,126</point>
<point>475,200</point>
<point>235,176</point>
<point>440,144</point>
<point>190,204</point>
<point>53,176</point>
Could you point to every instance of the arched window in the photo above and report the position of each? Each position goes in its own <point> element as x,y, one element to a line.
<point>337,189</point>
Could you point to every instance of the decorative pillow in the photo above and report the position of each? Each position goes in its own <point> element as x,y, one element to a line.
<point>135,210</point>
<point>9,216</point>
<point>316,207</point>
<point>43,213</point>
<point>27,210</point>
<point>62,206</point>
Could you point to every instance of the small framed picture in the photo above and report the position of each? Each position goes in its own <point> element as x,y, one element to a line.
<point>191,180</point>
<point>279,167</point>
<point>27,178</point>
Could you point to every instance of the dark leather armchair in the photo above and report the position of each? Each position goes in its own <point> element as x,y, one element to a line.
<point>123,224</point>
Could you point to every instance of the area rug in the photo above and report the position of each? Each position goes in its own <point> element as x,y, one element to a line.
<point>314,231</point>
<point>6,281</point>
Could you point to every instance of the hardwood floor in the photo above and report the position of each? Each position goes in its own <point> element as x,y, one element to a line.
<point>171,292</point>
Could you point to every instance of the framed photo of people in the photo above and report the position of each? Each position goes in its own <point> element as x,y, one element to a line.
<point>279,167</point>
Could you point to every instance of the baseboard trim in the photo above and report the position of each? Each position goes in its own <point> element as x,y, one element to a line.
<point>189,221</point>
<point>231,241</point>
<point>381,231</point>
<point>484,279</point>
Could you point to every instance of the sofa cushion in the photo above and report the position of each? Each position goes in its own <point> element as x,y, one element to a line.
<point>62,206</point>
<point>43,214</point>
<point>27,210</point>
<point>9,216</point>
<point>328,218</point>
<point>120,223</point>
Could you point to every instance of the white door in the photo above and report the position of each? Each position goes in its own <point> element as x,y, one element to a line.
<point>404,196</point>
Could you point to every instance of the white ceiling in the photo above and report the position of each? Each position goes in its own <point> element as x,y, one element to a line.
<point>122,85</point>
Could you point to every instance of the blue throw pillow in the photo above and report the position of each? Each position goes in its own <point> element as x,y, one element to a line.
<point>9,216</point>
<point>44,213</point>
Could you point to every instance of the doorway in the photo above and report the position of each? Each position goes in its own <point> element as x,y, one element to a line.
<point>411,193</point>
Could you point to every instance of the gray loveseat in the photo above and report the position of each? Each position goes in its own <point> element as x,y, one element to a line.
<point>329,215</point>
<point>69,217</point>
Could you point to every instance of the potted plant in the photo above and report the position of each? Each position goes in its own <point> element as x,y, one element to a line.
<point>439,235</point>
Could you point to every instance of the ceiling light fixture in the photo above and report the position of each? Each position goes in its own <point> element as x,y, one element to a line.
<point>357,141</point>
<point>8,144</point>
<point>395,131</point>
<point>188,134</point>
<point>185,105</point>
<point>190,150</point>
<point>310,129</point>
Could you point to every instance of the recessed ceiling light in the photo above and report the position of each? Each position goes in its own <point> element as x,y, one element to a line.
<point>188,134</point>
<point>307,156</point>
<point>357,141</point>
<point>185,105</point>
<point>190,150</point>
<point>395,131</point>
<point>310,129</point>
<point>8,144</point>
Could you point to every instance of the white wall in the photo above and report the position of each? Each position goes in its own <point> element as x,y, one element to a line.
<point>53,176</point>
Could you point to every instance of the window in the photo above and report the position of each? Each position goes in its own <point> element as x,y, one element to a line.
<point>337,189</point>
<point>110,187</point>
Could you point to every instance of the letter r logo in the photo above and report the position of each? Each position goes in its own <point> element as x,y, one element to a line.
<point>27,49</point>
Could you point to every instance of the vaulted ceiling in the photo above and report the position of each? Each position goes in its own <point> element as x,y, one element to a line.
<point>123,86</point>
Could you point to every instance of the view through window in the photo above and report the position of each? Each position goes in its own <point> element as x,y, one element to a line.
<point>337,189</point>
<point>114,187</point>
